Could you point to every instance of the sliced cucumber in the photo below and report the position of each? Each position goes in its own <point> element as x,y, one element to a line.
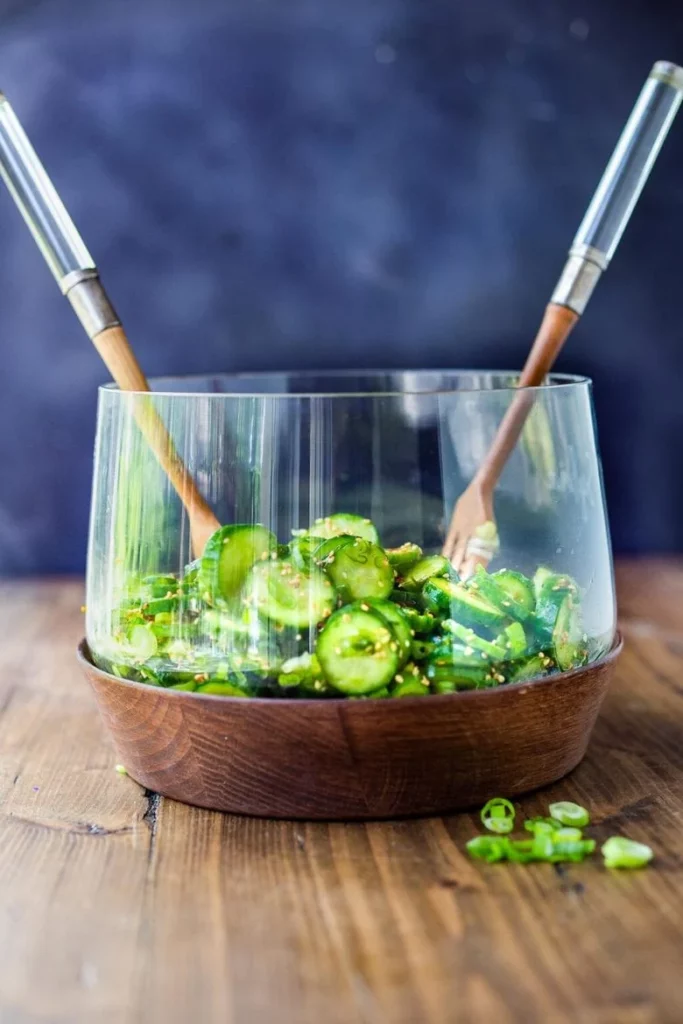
<point>462,604</point>
<point>517,586</point>
<point>447,652</point>
<point>405,557</point>
<point>396,621</point>
<point>419,622</point>
<point>324,552</point>
<point>287,595</point>
<point>536,667</point>
<point>515,640</point>
<point>224,689</point>
<point>496,589</point>
<point>142,642</point>
<point>466,635</point>
<point>345,522</point>
<point>228,557</point>
<point>568,641</point>
<point>551,597</point>
<point>360,570</point>
<point>409,682</point>
<point>161,586</point>
<point>357,651</point>
<point>539,578</point>
<point>420,572</point>
<point>458,677</point>
<point>305,674</point>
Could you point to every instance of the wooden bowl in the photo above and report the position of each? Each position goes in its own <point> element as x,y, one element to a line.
<point>341,760</point>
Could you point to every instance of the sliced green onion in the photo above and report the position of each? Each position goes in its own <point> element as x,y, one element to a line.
<point>542,825</point>
<point>568,813</point>
<point>567,835</point>
<point>521,851</point>
<point>625,853</point>
<point>487,848</point>
<point>498,815</point>
<point>573,850</point>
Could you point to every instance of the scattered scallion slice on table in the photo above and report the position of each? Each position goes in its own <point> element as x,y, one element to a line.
<point>625,853</point>
<point>568,813</point>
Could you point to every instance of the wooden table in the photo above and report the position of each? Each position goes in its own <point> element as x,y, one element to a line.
<point>118,906</point>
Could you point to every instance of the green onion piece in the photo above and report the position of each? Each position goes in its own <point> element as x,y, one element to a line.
<point>572,851</point>
<point>542,825</point>
<point>568,813</point>
<point>498,815</point>
<point>625,853</point>
<point>568,835</point>
<point>487,848</point>
<point>521,851</point>
<point>542,846</point>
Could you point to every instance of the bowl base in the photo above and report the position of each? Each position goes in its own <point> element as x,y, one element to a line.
<point>339,760</point>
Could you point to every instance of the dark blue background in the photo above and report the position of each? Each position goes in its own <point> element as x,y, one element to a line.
<point>326,183</point>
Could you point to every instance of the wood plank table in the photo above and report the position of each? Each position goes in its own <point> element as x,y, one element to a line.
<point>117,906</point>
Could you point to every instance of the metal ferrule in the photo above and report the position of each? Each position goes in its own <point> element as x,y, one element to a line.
<point>90,302</point>
<point>578,279</point>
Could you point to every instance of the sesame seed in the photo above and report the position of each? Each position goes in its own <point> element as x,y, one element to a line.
<point>399,679</point>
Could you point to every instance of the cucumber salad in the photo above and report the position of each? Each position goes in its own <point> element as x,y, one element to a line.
<point>334,614</point>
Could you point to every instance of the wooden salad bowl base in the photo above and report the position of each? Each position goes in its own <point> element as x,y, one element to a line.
<point>357,759</point>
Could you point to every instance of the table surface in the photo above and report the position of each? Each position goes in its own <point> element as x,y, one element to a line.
<point>119,906</point>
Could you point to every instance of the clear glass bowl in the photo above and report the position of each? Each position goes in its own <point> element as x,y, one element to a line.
<point>290,610</point>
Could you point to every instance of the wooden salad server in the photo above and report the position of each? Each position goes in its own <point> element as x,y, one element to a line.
<point>472,538</point>
<point>78,278</point>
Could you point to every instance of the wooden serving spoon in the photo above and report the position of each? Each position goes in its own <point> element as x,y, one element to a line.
<point>78,279</point>
<point>472,538</point>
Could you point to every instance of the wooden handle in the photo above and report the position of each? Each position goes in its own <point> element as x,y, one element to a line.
<point>555,328</point>
<point>119,358</point>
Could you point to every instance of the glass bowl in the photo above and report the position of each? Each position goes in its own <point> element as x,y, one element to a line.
<point>323,598</point>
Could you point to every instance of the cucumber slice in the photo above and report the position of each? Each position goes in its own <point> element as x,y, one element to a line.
<point>159,605</point>
<point>397,622</point>
<point>418,574</point>
<point>305,674</point>
<point>447,652</point>
<point>405,557</point>
<point>568,641</point>
<point>228,557</point>
<point>161,586</point>
<point>550,599</point>
<point>514,640</point>
<point>357,651</point>
<point>289,596</point>
<point>419,622</point>
<point>224,689</point>
<point>497,589</point>
<point>409,682</point>
<point>360,570</point>
<point>345,522</point>
<point>190,686</point>
<point>536,667</point>
<point>142,642</point>
<point>463,604</point>
<point>458,677</point>
<point>495,650</point>
<point>324,552</point>
<point>540,576</point>
<point>517,586</point>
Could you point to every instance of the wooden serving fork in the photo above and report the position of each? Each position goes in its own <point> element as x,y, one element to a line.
<point>472,538</point>
<point>78,279</point>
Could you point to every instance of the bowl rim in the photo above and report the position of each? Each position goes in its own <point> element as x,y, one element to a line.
<point>85,660</point>
<point>554,381</point>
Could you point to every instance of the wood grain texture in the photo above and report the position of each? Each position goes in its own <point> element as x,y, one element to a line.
<point>340,759</point>
<point>117,906</point>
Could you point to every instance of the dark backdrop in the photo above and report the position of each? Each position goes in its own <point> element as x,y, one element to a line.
<point>325,183</point>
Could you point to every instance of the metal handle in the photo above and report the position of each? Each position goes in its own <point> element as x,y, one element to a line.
<point>621,184</point>
<point>51,226</point>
